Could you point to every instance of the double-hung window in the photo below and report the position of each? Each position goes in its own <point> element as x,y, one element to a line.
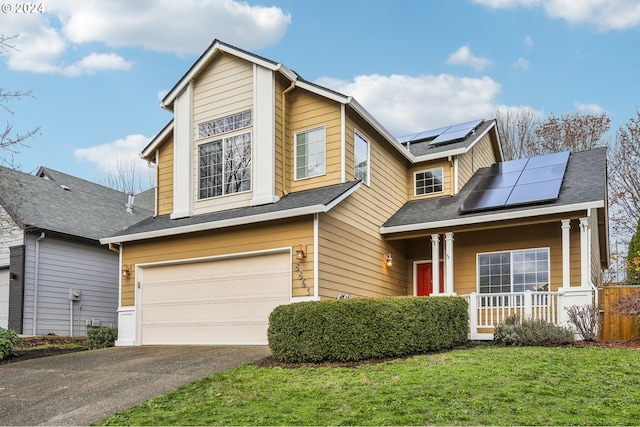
<point>361,158</point>
<point>428,181</point>
<point>310,153</point>
<point>224,164</point>
<point>513,271</point>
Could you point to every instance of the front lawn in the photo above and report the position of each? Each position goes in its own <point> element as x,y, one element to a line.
<point>483,385</point>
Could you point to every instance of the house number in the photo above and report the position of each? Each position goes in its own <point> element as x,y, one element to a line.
<point>302,279</point>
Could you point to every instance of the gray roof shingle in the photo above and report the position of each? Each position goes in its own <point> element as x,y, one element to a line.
<point>308,198</point>
<point>57,202</point>
<point>585,181</point>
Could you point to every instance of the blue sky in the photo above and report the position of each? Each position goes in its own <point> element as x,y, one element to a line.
<point>98,69</point>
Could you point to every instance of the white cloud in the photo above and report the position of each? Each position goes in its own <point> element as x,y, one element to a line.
<point>464,56</point>
<point>522,64</point>
<point>187,27</point>
<point>108,156</point>
<point>405,104</point>
<point>528,41</point>
<point>605,15</point>
<point>588,108</point>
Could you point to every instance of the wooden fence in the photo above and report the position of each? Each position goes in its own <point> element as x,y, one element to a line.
<point>615,327</point>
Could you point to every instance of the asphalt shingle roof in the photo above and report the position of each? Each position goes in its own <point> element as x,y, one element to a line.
<point>62,203</point>
<point>302,199</point>
<point>585,180</point>
<point>425,148</point>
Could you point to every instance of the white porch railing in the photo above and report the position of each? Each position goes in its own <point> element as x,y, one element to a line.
<point>488,310</point>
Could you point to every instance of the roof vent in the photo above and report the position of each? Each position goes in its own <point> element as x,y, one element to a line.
<point>64,187</point>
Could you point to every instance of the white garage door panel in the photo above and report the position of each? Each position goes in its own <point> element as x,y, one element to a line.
<point>216,302</point>
<point>4,297</point>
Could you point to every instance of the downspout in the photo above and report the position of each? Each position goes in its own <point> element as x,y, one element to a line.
<point>35,282</point>
<point>285,180</point>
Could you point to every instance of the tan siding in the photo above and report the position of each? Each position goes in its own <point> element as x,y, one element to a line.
<point>481,155</point>
<point>287,233</point>
<point>351,249</point>
<point>309,111</point>
<point>165,178</point>
<point>224,87</point>
<point>447,172</point>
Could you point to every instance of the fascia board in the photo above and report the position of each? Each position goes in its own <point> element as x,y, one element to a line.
<point>157,140</point>
<point>502,216</point>
<point>253,219</point>
<point>205,58</point>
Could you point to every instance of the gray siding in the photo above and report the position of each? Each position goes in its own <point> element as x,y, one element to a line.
<point>16,289</point>
<point>10,235</point>
<point>66,265</point>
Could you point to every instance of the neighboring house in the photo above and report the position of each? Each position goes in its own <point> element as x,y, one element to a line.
<point>55,276</point>
<point>273,190</point>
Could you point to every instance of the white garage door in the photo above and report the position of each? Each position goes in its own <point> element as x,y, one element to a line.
<point>4,297</point>
<point>222,302</point>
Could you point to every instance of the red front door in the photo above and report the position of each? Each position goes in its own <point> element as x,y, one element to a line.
<point>424,278</point>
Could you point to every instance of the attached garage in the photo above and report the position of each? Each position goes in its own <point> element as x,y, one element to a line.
<point>214,302</point>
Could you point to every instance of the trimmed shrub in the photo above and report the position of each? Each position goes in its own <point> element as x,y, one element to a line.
<point>537,332</point>
<point>101,337</point>
<point>366,328</point>
<point>8,341</point>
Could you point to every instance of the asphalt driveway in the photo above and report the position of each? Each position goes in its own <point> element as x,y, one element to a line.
<point>85,387</point>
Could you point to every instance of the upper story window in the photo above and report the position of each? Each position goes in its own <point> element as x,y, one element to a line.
<point>361,158</point>
<point>224,124</point>
<point>224,166</point>
<point>310,153</point>
<point>428,181</point>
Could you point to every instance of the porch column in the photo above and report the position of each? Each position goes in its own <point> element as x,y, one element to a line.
<point>448,263</point>
<point>566,254</point>
<point>585,260</point>
<point>435,264</point>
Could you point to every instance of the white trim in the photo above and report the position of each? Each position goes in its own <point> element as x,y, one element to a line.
<point>252,219</point>
<point>456,177</point>
<point>435,264</point>
<point>316,257</point>
<point>415,273</point>
<point>511,251</point>
<point>585,259</point>
<point>343,145</point>
<point>361,135</point>
<point>448,264</point>
<point>295,152</point>
<point>455,152</point>
<point>264,144</point>
<point>566,253</point>
<point>491,217</point>
<point>157,140</point>
<point>182,152</point>
<point>415,187</point>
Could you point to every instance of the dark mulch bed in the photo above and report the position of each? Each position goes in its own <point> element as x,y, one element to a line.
<point>27,348</point>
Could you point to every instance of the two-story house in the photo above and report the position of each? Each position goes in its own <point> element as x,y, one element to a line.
<point>273,190</point>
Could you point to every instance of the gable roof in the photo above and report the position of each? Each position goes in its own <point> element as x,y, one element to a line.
<point>584,187</point>
<point>295,204</point>
<point>57,202</point>
<point>218,46</point>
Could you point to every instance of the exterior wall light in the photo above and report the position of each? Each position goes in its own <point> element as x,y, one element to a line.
<point>300,252</point>
<point>126,270</point>
<point>389,260</point>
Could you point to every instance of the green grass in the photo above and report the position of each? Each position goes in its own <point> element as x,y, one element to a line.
<point>484,385</point>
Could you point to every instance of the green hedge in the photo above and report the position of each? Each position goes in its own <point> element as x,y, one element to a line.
<point>101,337</point>
<point>366,328</point>
<point>8,341</point>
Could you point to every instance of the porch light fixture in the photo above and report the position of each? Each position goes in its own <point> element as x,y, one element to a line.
<point>300,253</point>
<point>389,260</point>
<point>126,270</point>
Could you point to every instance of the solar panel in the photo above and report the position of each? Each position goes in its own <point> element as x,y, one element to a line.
<point>431,133</point>
<point>533,180</point>
<point>456,132</point>
<point>405,138</point>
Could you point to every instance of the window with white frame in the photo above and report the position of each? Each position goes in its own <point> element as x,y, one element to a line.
<point>361,158</point>
<point>310,153</point>
<point>513,271</point>
<point>225,124</point>
<point>224,166</point>
<point>428,181</point>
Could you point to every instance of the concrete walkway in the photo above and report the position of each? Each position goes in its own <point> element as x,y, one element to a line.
<point>86,387</point>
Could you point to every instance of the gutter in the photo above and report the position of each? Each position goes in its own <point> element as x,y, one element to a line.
<point>35,283</point>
